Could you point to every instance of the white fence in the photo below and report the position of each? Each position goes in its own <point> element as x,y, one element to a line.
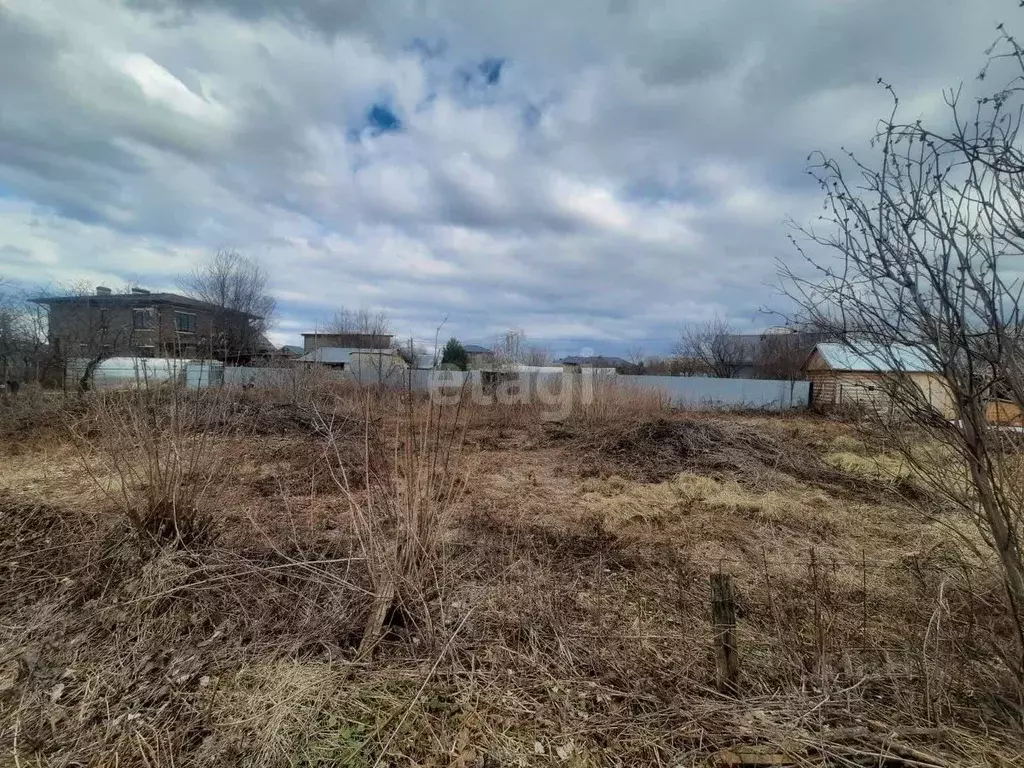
<point>125,372</point>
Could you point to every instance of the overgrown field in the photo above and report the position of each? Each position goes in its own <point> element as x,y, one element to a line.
<point>338,577</point>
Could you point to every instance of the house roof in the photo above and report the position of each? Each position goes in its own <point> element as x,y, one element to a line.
<point>744,347</point>
<point>596,361</point>
<point>374,352</point>
<point>750,348</point>
<point>874,358</point>
<point>135,298</point>
<point>295,349</point>
<point>329,355</point>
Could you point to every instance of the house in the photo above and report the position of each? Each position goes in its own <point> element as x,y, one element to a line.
<point>316,340</point>
<point>842,376</point>
<point>377,366</point>
<point>145,324</point>
<point>477,356</point>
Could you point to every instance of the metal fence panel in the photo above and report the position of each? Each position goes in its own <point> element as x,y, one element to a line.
<point>705,393</point>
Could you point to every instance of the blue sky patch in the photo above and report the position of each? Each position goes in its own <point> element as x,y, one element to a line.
<point>382,119</point>
<point>491,70</point>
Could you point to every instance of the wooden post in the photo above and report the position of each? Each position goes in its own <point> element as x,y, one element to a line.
<point>723,616</point>
<point>864,604</point>
<point>819,627</point>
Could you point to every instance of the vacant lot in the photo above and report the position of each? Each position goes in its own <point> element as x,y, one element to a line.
<point>334,577</point>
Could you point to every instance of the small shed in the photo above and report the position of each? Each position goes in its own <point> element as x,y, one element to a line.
<point>379,366</point>
<point>841,376</point>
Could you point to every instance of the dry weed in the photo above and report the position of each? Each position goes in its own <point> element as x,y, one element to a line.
<point>527,618</point>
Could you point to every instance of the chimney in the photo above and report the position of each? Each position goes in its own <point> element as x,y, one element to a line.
<point>102,290</point>
<point>140,291</point>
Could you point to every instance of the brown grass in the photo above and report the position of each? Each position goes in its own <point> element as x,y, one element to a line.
<point>538,598</point>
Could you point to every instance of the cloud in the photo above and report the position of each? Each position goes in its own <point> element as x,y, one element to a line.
<point>595,173</point>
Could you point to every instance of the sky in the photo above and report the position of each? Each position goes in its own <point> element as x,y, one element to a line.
<point>595,173</point>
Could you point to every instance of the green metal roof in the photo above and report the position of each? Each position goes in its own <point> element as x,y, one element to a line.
<point>875,358</point>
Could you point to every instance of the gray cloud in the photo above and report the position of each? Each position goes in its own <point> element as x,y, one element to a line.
<point>628,169</point>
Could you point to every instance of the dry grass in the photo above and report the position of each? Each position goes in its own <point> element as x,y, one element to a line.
<point>612,402</point>
<point>538,598</point>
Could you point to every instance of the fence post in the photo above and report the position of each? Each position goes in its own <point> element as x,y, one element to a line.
<point>819,628</point>
<point>723,616</point>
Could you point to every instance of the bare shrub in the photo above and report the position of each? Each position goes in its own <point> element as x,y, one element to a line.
<point>153,450</point>
<point>914,267</point>
<point>402,516</point>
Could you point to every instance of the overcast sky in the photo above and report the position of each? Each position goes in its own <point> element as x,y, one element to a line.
<point>594,172</point>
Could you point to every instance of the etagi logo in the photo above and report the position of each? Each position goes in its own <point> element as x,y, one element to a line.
<point>555,391</point>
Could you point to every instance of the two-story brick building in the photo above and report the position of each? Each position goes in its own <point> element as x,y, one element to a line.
<point>144,324</point>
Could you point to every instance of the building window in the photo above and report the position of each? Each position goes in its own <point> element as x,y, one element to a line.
<point>184,322</point>
<point>143,319</point>
<point>146,351</point>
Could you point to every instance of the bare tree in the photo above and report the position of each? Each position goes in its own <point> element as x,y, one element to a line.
<point>239,287</point>
<point>535,354</point>
<point>782,355</point>
<point>12,336</point>
<point>509,348</point>
<point>918,260</point>
<point>363,321</point>
<point>714,346</point>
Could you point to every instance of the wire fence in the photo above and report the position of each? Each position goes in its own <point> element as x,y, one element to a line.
<point>927,625</point>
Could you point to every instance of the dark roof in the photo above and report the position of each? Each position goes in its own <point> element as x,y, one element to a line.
<point>133,298</point>
<point>596,361</point>
<point>749,348</point>
<point>745,347</point>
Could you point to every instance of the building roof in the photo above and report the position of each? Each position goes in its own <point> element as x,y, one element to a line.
<point>476,349</point>
<point>874,358</point>
<point>596,361</point>
<point>329,355</point>
<point>375,352</point>
<point>133,298</point>
<point>744,347</point>
<point>751,348</point>
<point>295,349</point>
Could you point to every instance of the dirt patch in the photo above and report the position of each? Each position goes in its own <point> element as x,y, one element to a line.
<point>755,455</point>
